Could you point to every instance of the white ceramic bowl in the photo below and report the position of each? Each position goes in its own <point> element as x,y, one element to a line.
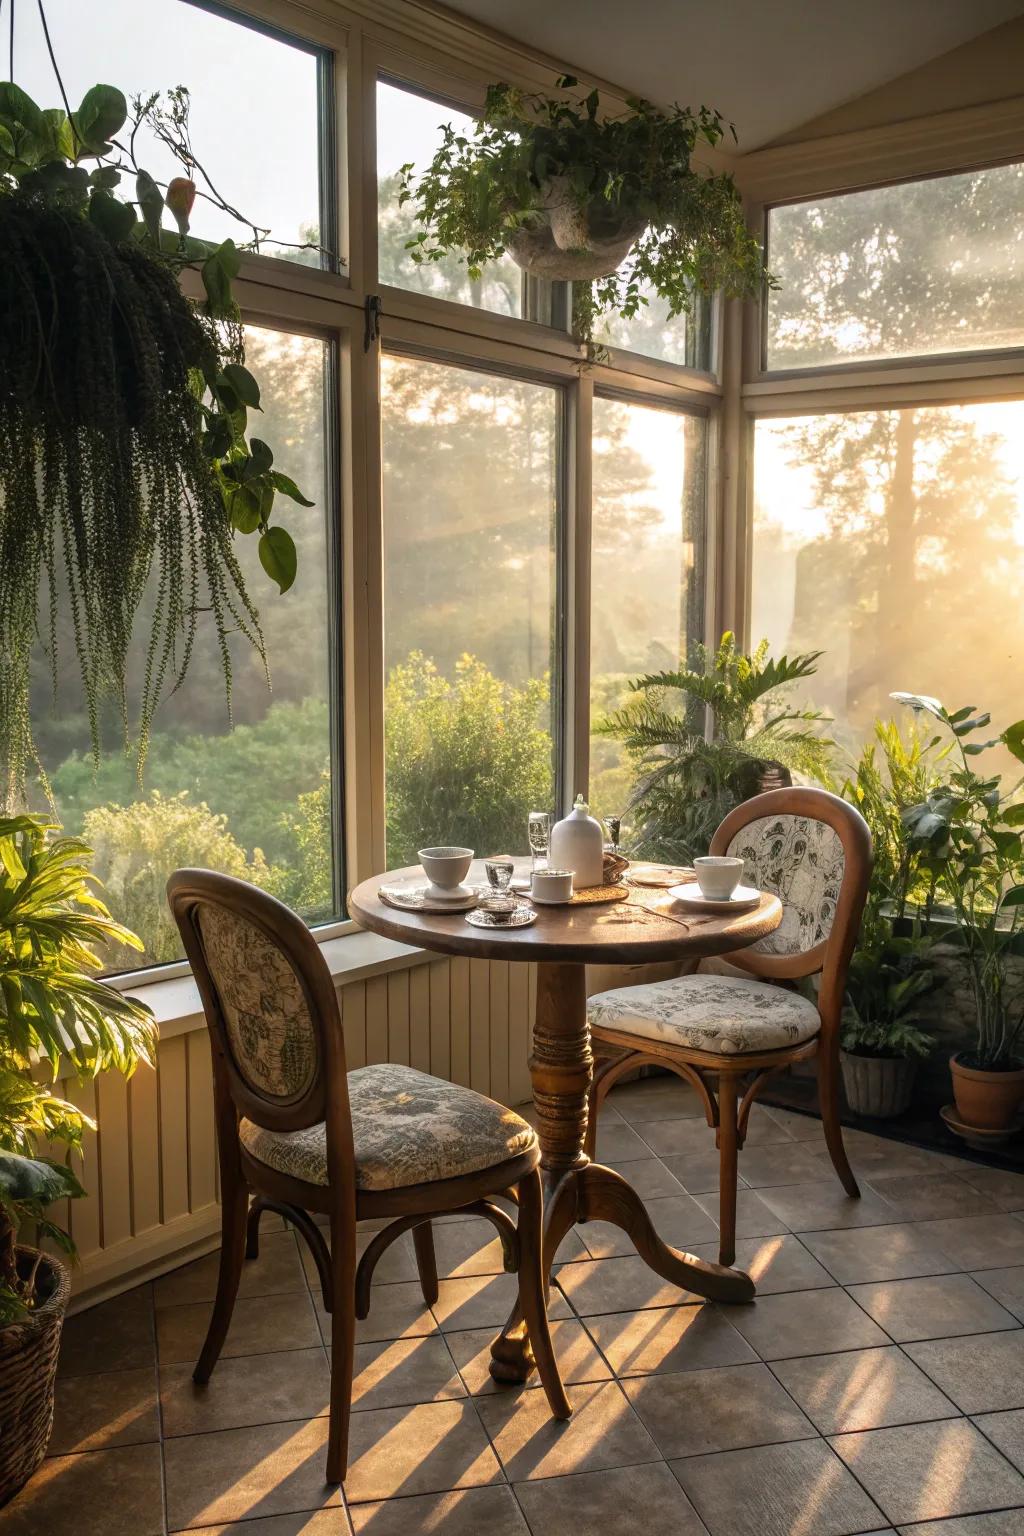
<point>718,875</point>
<point>554,885</point>
<point>446,868</point>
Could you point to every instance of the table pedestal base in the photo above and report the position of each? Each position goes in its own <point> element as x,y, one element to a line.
<point>575,1188</point>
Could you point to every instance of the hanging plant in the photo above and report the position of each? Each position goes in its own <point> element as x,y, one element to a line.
<point>124,459</point>
<point>611,204</point>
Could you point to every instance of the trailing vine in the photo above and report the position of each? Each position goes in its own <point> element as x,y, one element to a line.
<point>125,465</point>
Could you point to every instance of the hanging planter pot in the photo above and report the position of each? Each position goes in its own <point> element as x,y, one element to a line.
<point>125,465</point>
<point>613,202</point>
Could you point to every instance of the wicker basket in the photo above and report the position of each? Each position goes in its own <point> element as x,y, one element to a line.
<point>28,1366</point>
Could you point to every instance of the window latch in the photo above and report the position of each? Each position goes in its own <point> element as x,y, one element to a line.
<point>372,312</point>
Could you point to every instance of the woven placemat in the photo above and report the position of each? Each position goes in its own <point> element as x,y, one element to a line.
<point>591,895</point>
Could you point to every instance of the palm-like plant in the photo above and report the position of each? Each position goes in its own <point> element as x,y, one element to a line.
<point>698,755</point>
<point>53,1008</point>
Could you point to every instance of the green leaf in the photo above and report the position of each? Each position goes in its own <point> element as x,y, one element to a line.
<point>244,385</point>
<point>261,454</point>
<point>17,105</point>
<point>101,115</point>
<point>961,714</point>
<point>105,176</point>
<point>36,1180</point>
<point>965,726</point>
<point>244,507</point>
<point>287,487</point>
<point>114,218</point>
<point>1013,739</point>
<point>278,557</point>
<point>151,204</point>
<point>1013,815</point>
<point>219,269</point>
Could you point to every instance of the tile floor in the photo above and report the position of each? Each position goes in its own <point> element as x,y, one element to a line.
<point>876,1384</point>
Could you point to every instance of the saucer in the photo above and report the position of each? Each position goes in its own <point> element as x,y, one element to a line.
<point>742,899</point>
<point>453,896</point>
<point>410,897</point>
<point>519,917</point>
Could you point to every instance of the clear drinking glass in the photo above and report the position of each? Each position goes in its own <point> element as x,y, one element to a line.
<point>539,830</point>
<point>499,897</point>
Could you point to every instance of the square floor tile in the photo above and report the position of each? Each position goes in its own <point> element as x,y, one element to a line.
<point>1006,1285</point>
<point>826,1207</point>
<point>878,1253</point>
<point>684,1138</point>
<point>398,1371</point>
<point>862,1389</point>
<point>931,1197</point>
<point>936,1307</point>
<point>801,1489</point>
<point>396,1265</point>
<point>669,1339</point>
<point>578,1356</point>
<point>678,1221</point>
<point>797,1127</point>
<point>259,1325</point>
<point>698,1173</point>
<point>278,1269</point>
<point>783,1163</point>
<point>618,1285</point>
<point>468,1512</point>
<point>485,1301</point>
<point>650,1177</point>
<point>310,1522</point>
<point>1005,1430</point>
<point>1004,1522</point>
<point>237,1474</point>
<point>805,1323</point>
<point>474,1248</point>
<point>879,1157</point>
<point>255,1389</point>
<point>981,1373</point>
<point>929,1471</point>
<point>429,1448</point>
<point>754,1217</point>
<point>95,1494</point>
<point>720,1409</point>
<point>603,1432</point>
<point>999,1184</point>
<point>115,1336</point>
<point>978,1242</point>
<point>666,1098</point>
<point>778,1263</point>
<point>619,1502</point>
<point>94,1413</point>
<point>396,1312</point>
<point>617,1142</point>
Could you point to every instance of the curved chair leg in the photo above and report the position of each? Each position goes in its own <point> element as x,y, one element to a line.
<point>426,1261</point>
<point>828,1101</point>
<point>343,1339</point>
<point>234,1218</point>
<point>728,1146</point>
<point>533,1292</point>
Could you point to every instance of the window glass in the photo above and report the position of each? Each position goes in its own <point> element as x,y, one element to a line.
<point>471,477</point>
<point>894,542</point>
<point>259,145</point>
<point>682,339</point>
<point>915,269</point>
<point>255,800</point>
<point>647,567</point>
<point>409,131</point>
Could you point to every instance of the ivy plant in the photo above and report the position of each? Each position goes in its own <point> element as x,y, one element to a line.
<point>125,454</point>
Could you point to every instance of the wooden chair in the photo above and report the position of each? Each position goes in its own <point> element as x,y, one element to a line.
<point>302,1135</point>
<point>813,850</point>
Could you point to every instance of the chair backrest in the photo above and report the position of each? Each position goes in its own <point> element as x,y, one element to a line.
<point>813,851</point>
<point>269,1001</point>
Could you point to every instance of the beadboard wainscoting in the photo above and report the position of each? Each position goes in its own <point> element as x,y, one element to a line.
<point>151,1165</point>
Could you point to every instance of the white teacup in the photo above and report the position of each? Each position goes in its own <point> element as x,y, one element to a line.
<point>445,868</point>
<point>718,875</point>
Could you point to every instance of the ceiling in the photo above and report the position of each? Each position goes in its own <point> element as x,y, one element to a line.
<point>768,67</point>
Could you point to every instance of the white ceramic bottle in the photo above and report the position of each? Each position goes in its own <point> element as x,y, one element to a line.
<point>577,843</point>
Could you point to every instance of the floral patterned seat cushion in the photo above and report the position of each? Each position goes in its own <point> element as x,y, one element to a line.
<point>729,1015</point>
<point>408,1128</point>
<point>801,860</point>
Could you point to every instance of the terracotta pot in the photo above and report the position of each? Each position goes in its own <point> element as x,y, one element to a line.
<point>988,1100</point>
<point>877,1086</point>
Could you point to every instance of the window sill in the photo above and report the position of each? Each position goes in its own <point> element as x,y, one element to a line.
<point>352,957</point>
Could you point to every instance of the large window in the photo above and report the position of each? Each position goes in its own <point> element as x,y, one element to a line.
<point>647,564</point>
<point>255,800</point>
<point>408,133</point>
<point>914,269</point>
<point>894,541</point>
<point>471,495</point>
<point>258,142</point>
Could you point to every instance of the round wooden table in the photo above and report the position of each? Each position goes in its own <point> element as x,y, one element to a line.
<point>563,941</point>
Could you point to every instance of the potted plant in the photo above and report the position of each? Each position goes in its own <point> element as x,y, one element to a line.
<point>571,194</point>
<point>52,1009</point>
<point>967,831</point>
<point>725,737</point>
<point>891,969</point>
<point>124,459</point>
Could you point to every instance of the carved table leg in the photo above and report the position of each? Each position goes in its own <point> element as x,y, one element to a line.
<point>576,1189</point>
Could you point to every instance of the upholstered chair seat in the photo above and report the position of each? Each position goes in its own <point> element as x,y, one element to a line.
<point>724,1014</point>
<point>407,1128</point>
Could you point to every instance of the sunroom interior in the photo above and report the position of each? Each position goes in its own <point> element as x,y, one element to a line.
<point>733,566</point>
